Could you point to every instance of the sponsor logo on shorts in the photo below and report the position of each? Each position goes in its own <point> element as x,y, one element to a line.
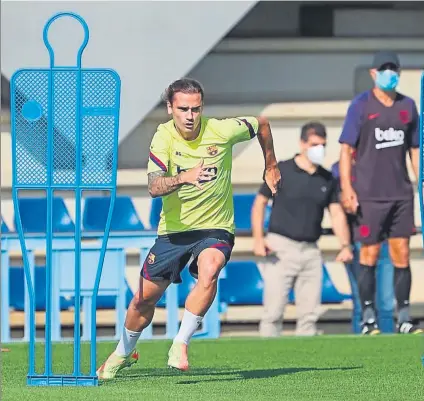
<point>151,258</point>
<point>212,150</point>
<point>389,138</point>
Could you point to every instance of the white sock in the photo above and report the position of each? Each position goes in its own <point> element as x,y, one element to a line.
<point>189,325</point>
<point>127,342</point>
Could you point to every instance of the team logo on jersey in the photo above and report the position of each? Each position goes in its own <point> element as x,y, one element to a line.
<point>212,150</point>
<point>151,258</point>
<point>404,116</point>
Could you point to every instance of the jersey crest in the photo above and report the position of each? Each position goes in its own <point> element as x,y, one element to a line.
<point>212,150</point>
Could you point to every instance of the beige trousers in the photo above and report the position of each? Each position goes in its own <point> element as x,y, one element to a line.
<point>296,265</point>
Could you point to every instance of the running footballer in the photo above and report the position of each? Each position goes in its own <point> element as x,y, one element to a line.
<point>189,166</point>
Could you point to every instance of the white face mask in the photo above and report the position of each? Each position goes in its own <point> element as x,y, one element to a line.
<point>316,154</point>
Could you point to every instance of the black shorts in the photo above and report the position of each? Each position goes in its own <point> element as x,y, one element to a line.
<point>171,253</point>
<point>378,221</point>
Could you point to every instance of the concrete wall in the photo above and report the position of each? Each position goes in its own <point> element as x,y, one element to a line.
<point>148,45</point>
<point>255,98</point>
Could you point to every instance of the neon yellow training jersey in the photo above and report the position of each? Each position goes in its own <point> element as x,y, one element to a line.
<point>189,208</point>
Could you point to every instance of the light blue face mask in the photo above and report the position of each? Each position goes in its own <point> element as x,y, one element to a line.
<point>387,80</point>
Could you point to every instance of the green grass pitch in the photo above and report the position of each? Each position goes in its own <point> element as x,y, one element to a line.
<point>386,367</point>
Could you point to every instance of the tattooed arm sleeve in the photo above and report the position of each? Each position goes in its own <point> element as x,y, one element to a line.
<point>159,185</point>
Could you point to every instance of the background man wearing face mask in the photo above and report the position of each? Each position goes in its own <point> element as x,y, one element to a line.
<point>382,125</point>
<point>292,257</point>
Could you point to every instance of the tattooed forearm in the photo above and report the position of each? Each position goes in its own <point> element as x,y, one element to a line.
<point>159,185</point>
<point>266,142</point>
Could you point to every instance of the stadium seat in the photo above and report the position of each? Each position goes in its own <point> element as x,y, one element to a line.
<point>267,216</point>
<point>17,289</point>
<point>330,294</point>
<point>124,216</point>
<point>4,227</point>
<point>155,209</point>
<point>243,284</point>
<point>109,302</point>
<point>33,213</point>
<point>242,210</point>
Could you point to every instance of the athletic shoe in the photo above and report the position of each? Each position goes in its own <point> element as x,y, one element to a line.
<point>116,363</point>
<point>178,357</point>
<point>370,328</point>
<point>409,328</point>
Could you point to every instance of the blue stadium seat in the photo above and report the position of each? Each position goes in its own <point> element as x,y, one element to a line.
<point>17,292</point>
<point>109,302</point>
<point>330,294</point>
<point>33,212</point>
<point>17,289</point>
<point>267,216</point>
<point>244,286</point>
<point>124,216</point>
<point>242,210</point>
<point>162,302</point>
<point>155,209</point>
<point>4,227</point>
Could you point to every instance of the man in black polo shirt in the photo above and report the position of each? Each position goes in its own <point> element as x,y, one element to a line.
<point>290,248</point>
<point>382,125</point>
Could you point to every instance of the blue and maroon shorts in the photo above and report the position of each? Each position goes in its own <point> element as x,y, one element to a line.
<point>171,253</point>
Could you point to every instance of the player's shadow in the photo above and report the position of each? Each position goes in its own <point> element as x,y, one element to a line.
<point>257,374</point>
<point>217,375</point>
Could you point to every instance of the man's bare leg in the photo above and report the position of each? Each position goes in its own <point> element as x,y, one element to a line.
<point>142,307</point>
<point>139,316</point>
<point>210,263</point>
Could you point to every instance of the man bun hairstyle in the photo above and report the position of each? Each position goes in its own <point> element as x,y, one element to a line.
<point>184,85</point>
